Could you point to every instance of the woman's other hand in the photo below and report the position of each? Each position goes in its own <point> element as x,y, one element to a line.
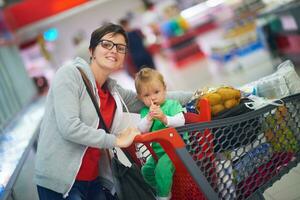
<point>126,138</point>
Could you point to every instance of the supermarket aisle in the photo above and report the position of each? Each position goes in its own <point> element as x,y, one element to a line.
<point>190,77</point>
<point>207,73</point>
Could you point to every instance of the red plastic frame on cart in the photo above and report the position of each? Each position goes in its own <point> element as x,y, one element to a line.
<point>184,187</point>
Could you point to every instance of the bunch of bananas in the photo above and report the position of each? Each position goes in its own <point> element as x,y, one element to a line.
<point>221,99</point>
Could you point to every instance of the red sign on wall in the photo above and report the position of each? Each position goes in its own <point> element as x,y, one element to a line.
<point>29,11</point>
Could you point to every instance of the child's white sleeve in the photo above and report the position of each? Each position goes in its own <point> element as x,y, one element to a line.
<point>176,120</point>
<point>144,125</point>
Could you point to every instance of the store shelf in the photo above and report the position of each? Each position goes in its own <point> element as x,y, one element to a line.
<point>177,40</point>
<point>189,35</point>
<point>192,58</point>
<point>183,49</point>
<point>288,43</point>
<point>15,142</point>
<point>280,28</point>
<point>203,28</point>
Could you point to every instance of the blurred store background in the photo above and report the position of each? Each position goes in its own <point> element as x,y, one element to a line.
<point>194,43</point>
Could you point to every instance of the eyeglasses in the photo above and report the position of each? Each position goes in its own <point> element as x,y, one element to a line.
<point>107,44</point>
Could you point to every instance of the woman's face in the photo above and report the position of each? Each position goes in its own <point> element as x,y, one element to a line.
<point>106,58</point>
<point>153,92</point>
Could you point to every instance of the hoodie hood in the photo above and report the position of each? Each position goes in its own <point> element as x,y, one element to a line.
<point>112,86</point>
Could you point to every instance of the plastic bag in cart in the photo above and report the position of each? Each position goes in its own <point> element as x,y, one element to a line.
<point>281,83</point>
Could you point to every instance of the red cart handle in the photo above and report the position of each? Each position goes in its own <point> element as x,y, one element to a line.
<point>168,135</point>
<point>204,116</point>
<point>169,139</point>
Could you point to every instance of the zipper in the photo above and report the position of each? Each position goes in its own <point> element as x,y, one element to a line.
<point>67,193</point>
<point>73,181</point>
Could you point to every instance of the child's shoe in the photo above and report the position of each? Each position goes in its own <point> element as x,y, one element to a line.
<point>164,198</point>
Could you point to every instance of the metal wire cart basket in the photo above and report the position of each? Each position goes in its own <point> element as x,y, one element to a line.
<point>232,158</point>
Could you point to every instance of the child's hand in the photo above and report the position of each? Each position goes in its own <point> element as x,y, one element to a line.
<point>152,109</point>
<point>149,117</point>
<point>156,113</point>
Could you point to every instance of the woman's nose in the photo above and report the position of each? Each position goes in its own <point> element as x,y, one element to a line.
<point>114,49</point>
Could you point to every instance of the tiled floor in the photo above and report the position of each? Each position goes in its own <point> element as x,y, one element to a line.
<point>207,73</point>
<point>286,188</point>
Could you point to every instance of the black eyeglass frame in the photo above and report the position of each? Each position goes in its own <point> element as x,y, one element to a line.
<point>114,44</point>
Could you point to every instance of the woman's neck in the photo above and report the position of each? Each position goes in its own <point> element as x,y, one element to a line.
<point>99,74</point>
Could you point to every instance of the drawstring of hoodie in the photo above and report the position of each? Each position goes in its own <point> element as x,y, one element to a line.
<point>130,123</point>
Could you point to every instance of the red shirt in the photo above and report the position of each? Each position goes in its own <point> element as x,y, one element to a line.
<point>89,169</point>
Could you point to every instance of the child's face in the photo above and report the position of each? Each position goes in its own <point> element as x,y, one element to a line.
<point>154,91</point>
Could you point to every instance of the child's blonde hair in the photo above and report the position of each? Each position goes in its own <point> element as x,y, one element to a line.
<point>147,75</point>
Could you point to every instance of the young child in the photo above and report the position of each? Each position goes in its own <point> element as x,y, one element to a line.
<point>158,113</point>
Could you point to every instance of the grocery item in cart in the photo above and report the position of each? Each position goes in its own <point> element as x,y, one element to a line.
<point>291,77</point>
<point>241,108</point>
<point>272,87</point>
<point>226,185</point>
<point>220,99</point>
<point>243,167</point>
<point>280,136</point>
<point>281,83</point>
<point>191,106</point>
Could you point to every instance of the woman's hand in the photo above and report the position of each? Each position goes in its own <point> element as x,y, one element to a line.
<point>126,138</point>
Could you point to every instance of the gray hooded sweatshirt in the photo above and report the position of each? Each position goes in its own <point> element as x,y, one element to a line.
<point>69,126</point>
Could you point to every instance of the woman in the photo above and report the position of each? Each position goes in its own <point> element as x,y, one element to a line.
<point>71,160</point>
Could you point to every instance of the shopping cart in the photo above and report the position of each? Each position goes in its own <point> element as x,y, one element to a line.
<point>232,158</point>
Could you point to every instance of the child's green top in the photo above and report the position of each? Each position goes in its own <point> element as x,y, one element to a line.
<point>169,108</point>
